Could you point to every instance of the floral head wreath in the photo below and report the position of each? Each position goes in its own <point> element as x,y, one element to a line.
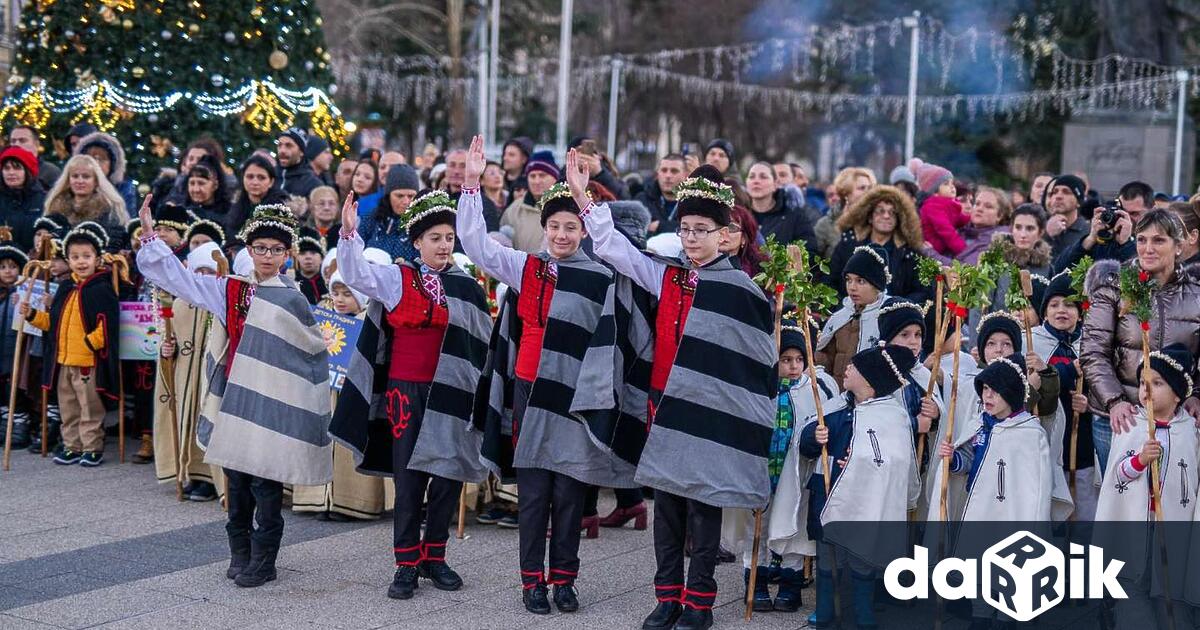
<point>425,205</point>
<point>274,215</point>
<point>887,273</point>
<point>994,314</point>
<point>703,188</point>
<point>1021,373</point>
<point>901,305</point>
<point>1166,358</point>
<point>559,190</point>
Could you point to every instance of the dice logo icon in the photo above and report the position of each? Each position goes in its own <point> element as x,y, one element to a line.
<point>1023,576</point>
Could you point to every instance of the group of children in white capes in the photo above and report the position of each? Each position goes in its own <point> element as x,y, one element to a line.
<point>622,370</point>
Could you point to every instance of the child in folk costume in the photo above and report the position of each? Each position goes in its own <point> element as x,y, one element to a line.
<point>784,522</point>
<point>426,332</point>
<point>902,323</point>
<point>351,494</point>
<point>81,360</point>
<point>190,328</point>
<point>537,352</point>
<point>712,385</point>
<point>265,415</point>
<point>311,247</point>
<point>855,326</point>
<point>1056,342</point>
<point>1125,494</point>
<point>12,262</point>
<point>872,459</point>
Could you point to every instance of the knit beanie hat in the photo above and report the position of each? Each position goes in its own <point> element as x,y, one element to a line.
<point>556,199</point>
<point>10,251</point>
<point>1078,188</point>
<point>402,177</point>
<point>23,157</point>
<point>884,367</point>
<point>1174,363</point>
<point>791,335</point>
<point>542,161</point>
<point>523,144</point>
<point>725,146</point>
<point>998,322</point>
<point>898,314</point>
<point>929,176</point>
<point>202,257</point>
<point>1006,376</point>
<point>316,146</point>
<point>901,174</point>
<point>1060,286</point>
<point>704,193</point>
<point>298,135</point>
<point>871,263</point>
<point>273,220</point>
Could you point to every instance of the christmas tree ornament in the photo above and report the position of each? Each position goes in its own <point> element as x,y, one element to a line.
<point>278,60</point>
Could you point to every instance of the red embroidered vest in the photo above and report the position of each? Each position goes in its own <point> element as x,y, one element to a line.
<point>238,295</point>
<point>533,308</point>
<point>418,324</point>
<point>673,305</point>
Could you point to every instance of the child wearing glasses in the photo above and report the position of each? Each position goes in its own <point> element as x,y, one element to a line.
<point>265,417</point>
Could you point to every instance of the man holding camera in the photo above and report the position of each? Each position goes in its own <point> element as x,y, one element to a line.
<point>1111,228</point>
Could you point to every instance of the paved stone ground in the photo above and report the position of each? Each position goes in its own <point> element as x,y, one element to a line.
<point>109,547</point>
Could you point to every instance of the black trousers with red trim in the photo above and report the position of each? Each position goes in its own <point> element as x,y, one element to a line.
<point>406,408</point>
<point>677,519</point>
<point>546,498</point>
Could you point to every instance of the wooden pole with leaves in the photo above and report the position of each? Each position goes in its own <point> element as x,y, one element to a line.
<point>788,271</point>
<point>1078,275</point>
<point>930,271</point>
<point>1137,297</point>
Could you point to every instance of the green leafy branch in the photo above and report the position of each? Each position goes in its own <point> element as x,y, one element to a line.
<point>930,271</point>
<point>970,287</point>
<point>1137,294</point>
<point>1078,275</point>
<point>788,269</point>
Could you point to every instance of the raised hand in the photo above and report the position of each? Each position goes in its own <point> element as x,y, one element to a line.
<point>476,163</point>
<point>146,217</point>
<point>350,214</point>
<point>577,178</point>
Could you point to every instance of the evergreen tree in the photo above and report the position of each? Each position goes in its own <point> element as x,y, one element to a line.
<point>161,73</point>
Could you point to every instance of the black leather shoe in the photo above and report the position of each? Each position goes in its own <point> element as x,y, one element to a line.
<point>535,600</point>
<point>566,598</point>
<point>443,577</point>
<point>404,583</point>
<point>663,617</point>
<point>693,619</point>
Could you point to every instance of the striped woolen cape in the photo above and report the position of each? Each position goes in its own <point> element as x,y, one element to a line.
<point>267,414</point>
<point>447,445</point>
<point>550,436</point>
<point>712,428</point>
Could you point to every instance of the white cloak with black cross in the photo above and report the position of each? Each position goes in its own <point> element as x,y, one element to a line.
<point>1016,478</point>
<point>879,483</point>
<point>1064,504</point>
<point>967,421</point>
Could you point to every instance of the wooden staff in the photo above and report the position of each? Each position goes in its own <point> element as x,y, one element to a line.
<point>943,511</point>
<point>31,270</point>
<point>462,512</point>
<point>166,371</point>
<point>1073,462</point>
<point>940,323</point>
<point>820,412</point>
<point>46,392</point>
<point>1155,490</point>
<point>1027,291</point>
<point>119,268</point>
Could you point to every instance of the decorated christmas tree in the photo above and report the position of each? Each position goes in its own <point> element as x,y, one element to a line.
<point>160,73</point>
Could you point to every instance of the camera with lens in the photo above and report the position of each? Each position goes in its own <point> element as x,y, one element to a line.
<point>1108,216</point>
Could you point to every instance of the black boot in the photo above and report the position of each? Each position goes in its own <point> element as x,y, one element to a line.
<point>535,600</point>
<point>762,589</point>
<point>790,586</point>
<point>694,619</point>
<point>663,617</point>
<point>20,436</point>
<point>239,555</point>
<point>260,570</point>
<point>566,598</point>
<point>443,577</point>
<point>53,437</point>
<point>404,583</point>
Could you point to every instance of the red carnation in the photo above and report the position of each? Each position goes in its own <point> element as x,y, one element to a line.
<point>1143,276</point>
<point>941,278</point>
<point>961,311</point>
<point>1146,326</point>
<point>168,312</point>
<point>951,305</point>
<point>779,289</point>
<point>1086,305</point>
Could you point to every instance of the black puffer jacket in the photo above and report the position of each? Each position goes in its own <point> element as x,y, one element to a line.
<point>20,207</point>
<point>789,220</point>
